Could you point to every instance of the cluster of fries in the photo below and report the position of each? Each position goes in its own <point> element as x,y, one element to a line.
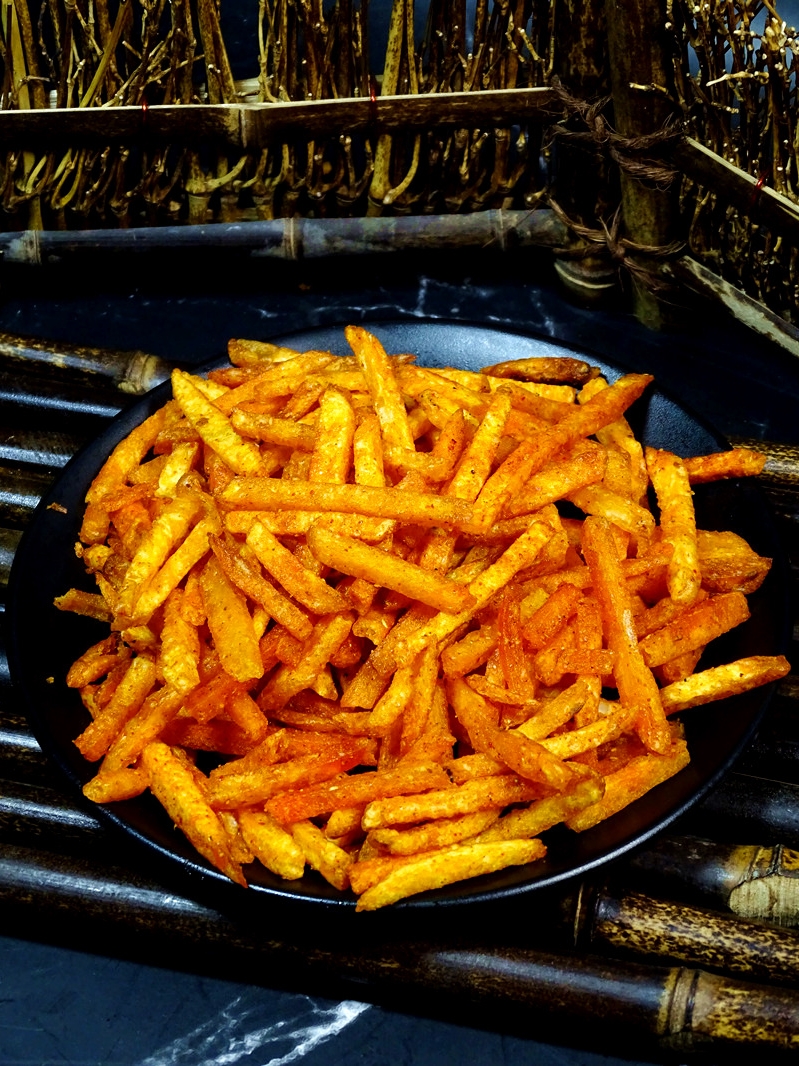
<point>393,623</point>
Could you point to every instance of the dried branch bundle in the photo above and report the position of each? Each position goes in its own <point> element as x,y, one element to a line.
<point>93,54</point>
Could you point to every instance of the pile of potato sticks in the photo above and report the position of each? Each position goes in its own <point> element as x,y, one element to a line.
<point>393,623</point>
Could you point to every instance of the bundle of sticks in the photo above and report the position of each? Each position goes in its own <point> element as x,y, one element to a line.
<point>689,943</point>
<point>150,55</point>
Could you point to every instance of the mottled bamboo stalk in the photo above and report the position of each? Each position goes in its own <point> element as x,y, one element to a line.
<point>21,758</point>
<point>747,808</point>
<point>631,923</point>
<point>9,542</point>
<point>774,750</point>
<point>780,475</point>
<point>750,880</point>
<point>37,814</point>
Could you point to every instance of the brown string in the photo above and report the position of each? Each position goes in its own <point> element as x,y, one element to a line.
<point>631,154</point>
<point>621,250</point>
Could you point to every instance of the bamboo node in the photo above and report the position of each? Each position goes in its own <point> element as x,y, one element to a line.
<point>675,1015</point>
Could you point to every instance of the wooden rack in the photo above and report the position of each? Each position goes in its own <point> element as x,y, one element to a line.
<point>580,108</point>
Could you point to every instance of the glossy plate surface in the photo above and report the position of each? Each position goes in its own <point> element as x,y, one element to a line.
<point>43,642</point>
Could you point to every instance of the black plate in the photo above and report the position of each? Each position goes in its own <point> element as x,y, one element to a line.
<point>43,642</point>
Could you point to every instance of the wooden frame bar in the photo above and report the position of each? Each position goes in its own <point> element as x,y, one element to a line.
<point>253,125</point>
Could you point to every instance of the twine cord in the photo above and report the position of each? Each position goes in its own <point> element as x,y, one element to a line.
<point>626,255</point>
<point>637,156</point>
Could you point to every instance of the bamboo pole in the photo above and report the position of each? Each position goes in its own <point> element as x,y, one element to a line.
<point>772,890</point>
<point>774,750</point>
<point>695,869</point>
<point>9,542</point>
<point>41,447</point>
<point>58,399</point>
<point>748,194</point>
<point>749,808</point>
<point>21,758</point>
<point>34,811</point>
<point>20,492</point>
<point>750,312</point>
<point>750,880</point>
<point>131,372</point>
<point>535,993</point>
<point>779,477</point>
<point>638,65</point>
<point>302,238</point>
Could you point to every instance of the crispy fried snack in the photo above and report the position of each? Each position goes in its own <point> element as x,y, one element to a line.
<point>352,631</point>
